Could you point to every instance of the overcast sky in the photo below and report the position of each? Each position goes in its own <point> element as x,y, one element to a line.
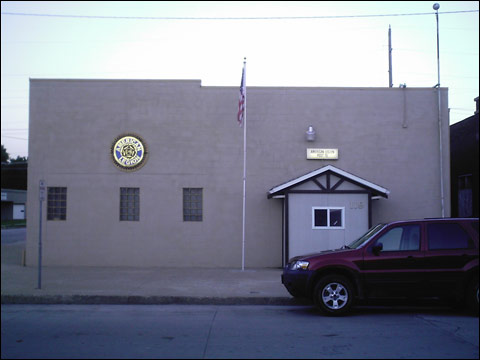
<point>340,45</point>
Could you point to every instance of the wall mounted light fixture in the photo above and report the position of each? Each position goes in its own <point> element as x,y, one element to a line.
<point>310,134</point>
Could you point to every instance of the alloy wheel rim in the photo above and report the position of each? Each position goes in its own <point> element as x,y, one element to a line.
<point>334,296</point>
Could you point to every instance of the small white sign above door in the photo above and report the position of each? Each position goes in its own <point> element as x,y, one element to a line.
<point>322,154</point>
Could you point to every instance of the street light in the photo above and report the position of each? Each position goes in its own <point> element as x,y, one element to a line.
<point>436,6</point>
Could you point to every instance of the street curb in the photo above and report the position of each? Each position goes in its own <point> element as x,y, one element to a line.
<point>148,300</point>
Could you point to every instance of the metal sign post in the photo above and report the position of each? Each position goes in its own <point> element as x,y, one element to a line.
<point>42,188</point>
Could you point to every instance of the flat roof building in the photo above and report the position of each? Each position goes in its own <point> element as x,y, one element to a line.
<point>13,204</point>
<point>150,172</point>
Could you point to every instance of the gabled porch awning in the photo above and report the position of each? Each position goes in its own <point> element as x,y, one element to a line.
<point>374,189</point>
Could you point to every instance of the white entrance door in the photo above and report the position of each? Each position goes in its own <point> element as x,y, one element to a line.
<point>18,212</point>
<point>313,220</point>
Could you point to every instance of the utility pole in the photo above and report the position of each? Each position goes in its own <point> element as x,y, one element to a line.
<point>436,6</point>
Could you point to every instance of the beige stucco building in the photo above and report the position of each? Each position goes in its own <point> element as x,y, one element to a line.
<point>182,203</point>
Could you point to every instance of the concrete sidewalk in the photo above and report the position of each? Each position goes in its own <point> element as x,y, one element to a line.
<point>123,285</point>
<point>118,285</point>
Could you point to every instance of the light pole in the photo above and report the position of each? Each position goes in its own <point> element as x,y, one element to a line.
<point>436,6</point>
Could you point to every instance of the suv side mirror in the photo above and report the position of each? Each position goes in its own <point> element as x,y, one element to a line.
<point>377,248</point>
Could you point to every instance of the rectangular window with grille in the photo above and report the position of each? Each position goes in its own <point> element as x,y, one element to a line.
<point>192,204</point>
<point>129,204</point>
<point>57,203</point>
<point>465,195</point>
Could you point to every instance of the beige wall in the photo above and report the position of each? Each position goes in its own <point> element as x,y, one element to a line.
<point>384,135</point>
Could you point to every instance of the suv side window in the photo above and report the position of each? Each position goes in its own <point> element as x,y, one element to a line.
<point>443,236</point>
<point>401,238</point>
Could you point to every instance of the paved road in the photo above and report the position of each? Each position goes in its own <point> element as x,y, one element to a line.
<point>184,331</point>
<point>10,236</point>
<point>13,245</point>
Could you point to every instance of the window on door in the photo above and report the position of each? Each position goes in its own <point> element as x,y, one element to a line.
<point>328,218</point>
<point>401,238</point>
<point>448,236</point>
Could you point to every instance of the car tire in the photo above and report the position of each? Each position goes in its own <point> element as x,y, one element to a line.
<point>472,297</point>
<point>333,295</point>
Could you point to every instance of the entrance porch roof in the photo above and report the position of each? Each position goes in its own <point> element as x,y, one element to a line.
<point>374,188</point>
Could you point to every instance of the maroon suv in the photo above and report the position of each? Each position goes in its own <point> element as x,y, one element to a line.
<point>405,259</point>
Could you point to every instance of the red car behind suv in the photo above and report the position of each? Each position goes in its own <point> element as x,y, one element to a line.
<point>406,259</point>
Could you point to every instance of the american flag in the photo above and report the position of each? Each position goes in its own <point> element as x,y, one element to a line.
<point>241,100</point>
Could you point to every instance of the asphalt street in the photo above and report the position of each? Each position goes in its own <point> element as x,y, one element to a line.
<point>219,331</point>
<point>12,236</point>
<point>206,325</point>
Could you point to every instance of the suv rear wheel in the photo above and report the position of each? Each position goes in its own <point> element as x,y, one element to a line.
<point>472,296</point>
<point>333,295</point>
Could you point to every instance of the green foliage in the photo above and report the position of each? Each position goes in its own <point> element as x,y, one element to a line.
<point>5,155</point>
<point>9,224</point>
<point>19,159</point>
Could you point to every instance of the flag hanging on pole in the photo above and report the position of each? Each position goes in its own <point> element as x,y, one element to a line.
<point>241,100</point>
<point>242,121</point>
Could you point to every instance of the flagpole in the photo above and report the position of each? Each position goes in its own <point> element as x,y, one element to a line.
<point>244,163</point>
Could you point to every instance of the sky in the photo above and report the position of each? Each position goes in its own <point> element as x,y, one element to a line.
<point>312,44</point>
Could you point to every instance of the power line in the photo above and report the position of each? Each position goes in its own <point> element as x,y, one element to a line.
<point>231,18</point>
<point>13,137</point>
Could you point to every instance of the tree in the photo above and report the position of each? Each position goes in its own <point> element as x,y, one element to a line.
<point>14,171</point>
<point>19,159</point>
<point>5,155</point>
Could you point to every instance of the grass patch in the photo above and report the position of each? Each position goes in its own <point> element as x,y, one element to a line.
<point>10,224</point>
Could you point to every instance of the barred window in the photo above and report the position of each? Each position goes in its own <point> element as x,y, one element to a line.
<point>192,204</point>
<point>57,203</point>
<point>129,204</point>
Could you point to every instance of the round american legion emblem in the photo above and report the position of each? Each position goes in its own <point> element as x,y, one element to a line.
<point>129,152</point>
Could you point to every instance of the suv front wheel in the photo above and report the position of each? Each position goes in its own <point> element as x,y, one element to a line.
<point>333,294</point>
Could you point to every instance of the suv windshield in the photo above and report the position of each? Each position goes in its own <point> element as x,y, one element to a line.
<point>363,239</point>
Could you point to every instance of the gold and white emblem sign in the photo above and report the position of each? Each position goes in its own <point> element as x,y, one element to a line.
<point>129,152</point>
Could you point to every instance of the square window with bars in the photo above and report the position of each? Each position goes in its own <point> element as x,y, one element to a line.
<point>57,203</point>
<point>192,204</point>
<point>129,204</point>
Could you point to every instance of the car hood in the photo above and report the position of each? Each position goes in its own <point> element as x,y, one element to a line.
<point>320,253</point>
